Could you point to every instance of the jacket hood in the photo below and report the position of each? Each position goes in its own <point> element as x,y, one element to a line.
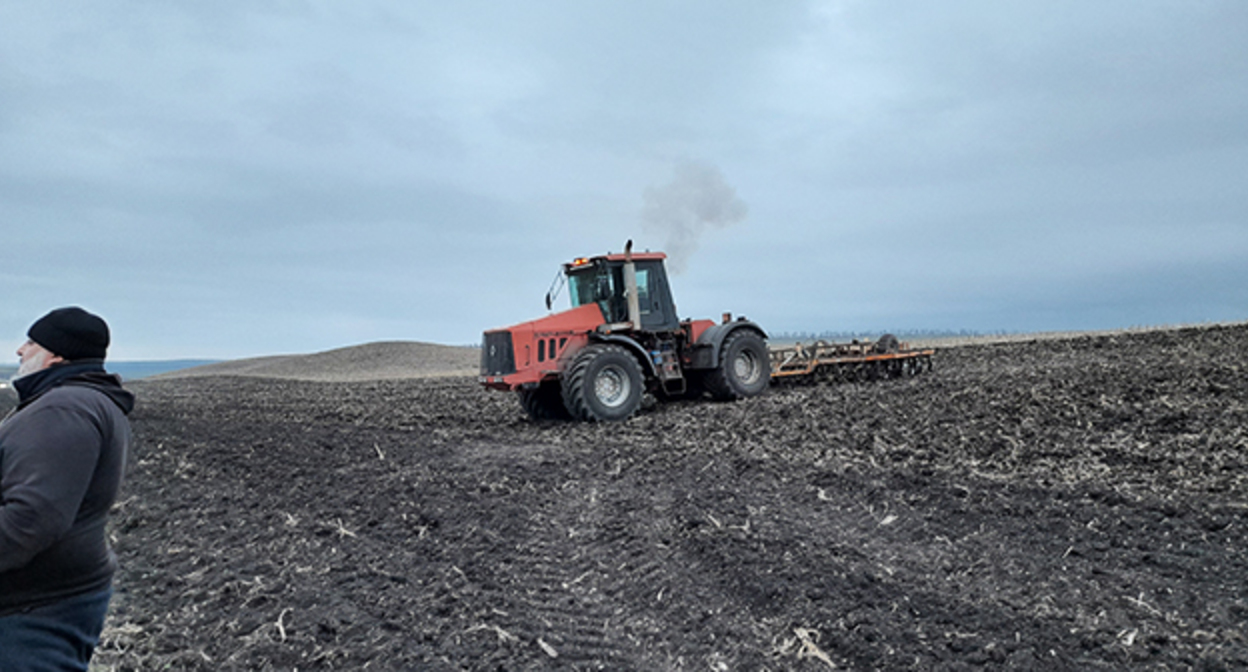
<point>110,385</point>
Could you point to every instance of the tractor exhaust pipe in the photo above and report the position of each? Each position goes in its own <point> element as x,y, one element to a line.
<point>630,287</point>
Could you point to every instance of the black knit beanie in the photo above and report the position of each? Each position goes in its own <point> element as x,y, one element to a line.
<point>72,333</point>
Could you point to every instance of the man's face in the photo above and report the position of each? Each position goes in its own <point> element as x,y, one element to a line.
<point>34,357</point>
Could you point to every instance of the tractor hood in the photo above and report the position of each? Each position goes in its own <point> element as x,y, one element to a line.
<point>580,319</point>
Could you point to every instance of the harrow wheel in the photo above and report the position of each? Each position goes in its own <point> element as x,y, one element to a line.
<point>887,345</point>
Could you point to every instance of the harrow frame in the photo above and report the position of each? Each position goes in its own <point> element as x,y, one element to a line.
<point>848,362</point>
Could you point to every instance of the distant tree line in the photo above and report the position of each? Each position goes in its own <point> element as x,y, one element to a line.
<point>872,335</point>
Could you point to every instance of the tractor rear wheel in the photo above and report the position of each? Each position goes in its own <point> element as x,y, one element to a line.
<point>744,367</point>
<point>544,403</point>
<point>604,383</point>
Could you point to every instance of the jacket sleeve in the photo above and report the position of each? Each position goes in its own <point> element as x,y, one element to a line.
<point>47,460</point>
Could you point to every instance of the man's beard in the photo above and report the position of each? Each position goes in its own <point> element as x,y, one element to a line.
<point>32,364</point>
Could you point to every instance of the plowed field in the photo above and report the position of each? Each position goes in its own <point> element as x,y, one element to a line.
<point>1071,504</point>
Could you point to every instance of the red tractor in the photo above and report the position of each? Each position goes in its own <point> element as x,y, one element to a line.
<point>621,340</point>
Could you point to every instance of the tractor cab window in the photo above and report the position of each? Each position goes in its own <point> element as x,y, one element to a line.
<point>581,287</point>
<point>654,298</point>
<point>611,297</point>
<point>601,284</point>
<point>643,291</point>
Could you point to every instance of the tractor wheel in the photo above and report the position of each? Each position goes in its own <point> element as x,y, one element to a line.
<point>744,367</point>
<point>604,383</point>
<point>695,385</point>
<point>544,403</point>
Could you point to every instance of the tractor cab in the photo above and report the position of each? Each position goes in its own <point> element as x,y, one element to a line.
<point>604,281</point>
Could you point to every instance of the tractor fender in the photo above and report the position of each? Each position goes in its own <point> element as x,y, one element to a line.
<point>643,357</point>
<point>705,353</point>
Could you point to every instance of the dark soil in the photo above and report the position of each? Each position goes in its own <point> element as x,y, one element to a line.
<point>1074,504</point>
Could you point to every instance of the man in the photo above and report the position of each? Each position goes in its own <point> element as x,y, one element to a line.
<point>62,454</point>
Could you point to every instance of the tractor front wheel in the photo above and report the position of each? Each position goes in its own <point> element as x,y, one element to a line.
<point>604,383</point>
<point>544,403</point>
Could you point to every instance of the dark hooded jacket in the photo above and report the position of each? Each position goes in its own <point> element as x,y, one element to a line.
<point>62,456</point>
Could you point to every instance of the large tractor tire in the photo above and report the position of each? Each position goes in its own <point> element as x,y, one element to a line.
<point>744,367</point>
<point>544,403</point>
<point>604,383</point>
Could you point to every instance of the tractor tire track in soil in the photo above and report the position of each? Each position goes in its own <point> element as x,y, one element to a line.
<point>1062,504</point>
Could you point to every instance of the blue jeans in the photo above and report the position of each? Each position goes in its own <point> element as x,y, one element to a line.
<point>54,638</point>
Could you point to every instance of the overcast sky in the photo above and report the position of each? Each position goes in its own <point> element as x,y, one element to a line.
<point>229,179</point>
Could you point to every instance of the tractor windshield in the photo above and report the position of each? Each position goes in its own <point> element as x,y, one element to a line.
<point>600,284</point>
<point>581,287</point>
